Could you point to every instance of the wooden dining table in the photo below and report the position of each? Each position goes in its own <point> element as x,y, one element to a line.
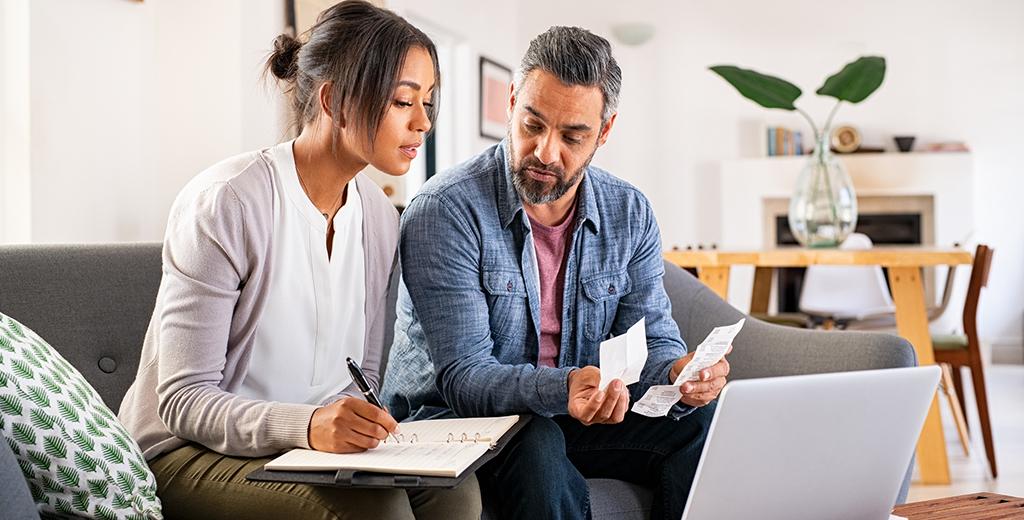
<point>905,265</point>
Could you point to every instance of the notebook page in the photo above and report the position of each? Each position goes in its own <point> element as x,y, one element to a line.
<point>432,460</point>
<point>490,429</point>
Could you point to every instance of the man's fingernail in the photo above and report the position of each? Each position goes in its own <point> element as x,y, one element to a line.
<point>707,374</point>
<point>687,388</point>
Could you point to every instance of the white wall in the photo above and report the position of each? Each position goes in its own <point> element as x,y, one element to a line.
<point>131,99</point>
<point>475,28</point>
<point>954,74</point>
<point>15,181</point>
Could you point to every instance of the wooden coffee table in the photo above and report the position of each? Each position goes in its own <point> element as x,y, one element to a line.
<point>975,506</point>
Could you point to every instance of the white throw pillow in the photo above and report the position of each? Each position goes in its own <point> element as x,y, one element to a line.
<point>78,460</point>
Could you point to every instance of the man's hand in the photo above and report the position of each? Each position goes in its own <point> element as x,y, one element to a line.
<point>589,405</point>
<point>349,425</point>
<point>706,389</point>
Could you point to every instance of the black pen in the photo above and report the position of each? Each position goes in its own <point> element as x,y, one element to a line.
<point>365,388</point>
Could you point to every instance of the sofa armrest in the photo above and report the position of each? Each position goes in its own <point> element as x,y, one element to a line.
<point>765,350</point>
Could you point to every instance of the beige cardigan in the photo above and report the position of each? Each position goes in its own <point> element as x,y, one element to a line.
<point>216,265</point>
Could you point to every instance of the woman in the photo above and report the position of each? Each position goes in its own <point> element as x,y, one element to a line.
<point>275,269</point>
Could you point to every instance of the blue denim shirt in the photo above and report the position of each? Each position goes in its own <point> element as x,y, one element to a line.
<point>467,333</point>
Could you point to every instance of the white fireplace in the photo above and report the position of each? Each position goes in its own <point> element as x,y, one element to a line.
<point>937,186</point>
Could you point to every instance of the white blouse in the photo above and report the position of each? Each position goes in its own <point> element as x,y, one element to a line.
<point>314,316</point>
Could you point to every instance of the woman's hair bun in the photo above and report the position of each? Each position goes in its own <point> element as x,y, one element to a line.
<point>283,61</point>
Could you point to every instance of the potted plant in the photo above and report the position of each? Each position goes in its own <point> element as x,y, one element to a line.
<point>823,208</point>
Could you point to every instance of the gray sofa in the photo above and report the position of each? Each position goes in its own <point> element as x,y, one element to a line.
<point>93,303</point>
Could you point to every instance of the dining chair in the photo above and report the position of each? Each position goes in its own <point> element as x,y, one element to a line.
<point>964,350</point>
<point>839,294</point>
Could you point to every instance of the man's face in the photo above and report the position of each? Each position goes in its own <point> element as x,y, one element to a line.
<point>554,130</point>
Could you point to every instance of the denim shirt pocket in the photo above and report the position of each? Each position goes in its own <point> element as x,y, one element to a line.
<point>506,301</point>
<point>603,291</point>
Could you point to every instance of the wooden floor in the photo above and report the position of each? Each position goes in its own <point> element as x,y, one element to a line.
<point>970,474</point>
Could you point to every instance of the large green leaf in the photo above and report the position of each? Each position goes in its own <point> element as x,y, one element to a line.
<point>767,91</point>
<point>856,81</point>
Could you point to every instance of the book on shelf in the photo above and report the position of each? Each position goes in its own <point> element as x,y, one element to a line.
<point>783,141</point>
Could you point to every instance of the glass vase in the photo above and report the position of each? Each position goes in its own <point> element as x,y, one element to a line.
<point>823,208</point>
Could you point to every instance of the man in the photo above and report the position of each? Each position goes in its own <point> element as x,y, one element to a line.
<point>516,265</point>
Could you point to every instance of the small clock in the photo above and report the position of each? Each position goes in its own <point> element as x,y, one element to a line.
<point>845,139</point>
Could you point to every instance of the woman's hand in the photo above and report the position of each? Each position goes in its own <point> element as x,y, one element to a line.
<point>349,425</point>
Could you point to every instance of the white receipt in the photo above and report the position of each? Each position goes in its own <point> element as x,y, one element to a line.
<point>623,357</point>
<point>659,399</point>
<point>710,351</point>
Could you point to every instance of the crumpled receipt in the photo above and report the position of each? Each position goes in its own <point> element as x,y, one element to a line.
<point>659,398</point>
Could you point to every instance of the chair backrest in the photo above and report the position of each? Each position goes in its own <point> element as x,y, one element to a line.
<point>846,291</point>
<point>979,278</point>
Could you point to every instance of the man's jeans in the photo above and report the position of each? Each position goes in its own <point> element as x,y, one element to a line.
<point>541,473</point>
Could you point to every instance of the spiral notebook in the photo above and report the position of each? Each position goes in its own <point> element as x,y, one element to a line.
<point>434,448</point>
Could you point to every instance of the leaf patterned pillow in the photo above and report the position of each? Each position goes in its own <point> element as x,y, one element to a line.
<point>78,460</point>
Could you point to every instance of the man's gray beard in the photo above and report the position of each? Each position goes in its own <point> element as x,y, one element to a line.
<point>535,192</point>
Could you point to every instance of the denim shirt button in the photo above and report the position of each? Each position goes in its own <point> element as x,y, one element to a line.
<point>509,286</point>
<point>611,289</point>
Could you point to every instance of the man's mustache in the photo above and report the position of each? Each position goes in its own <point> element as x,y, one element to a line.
<point>532,163</point>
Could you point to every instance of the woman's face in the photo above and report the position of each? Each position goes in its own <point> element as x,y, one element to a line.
<point>405,124</point>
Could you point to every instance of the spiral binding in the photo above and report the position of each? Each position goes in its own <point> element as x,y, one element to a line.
<point>400,438</point>
<point>464,438</point>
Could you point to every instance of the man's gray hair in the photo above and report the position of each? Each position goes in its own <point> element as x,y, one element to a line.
<point>575,56</point>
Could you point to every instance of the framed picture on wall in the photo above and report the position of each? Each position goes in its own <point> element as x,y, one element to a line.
<point>494,83</point>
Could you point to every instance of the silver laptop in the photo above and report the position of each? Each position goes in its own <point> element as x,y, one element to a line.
<point>811,447</point>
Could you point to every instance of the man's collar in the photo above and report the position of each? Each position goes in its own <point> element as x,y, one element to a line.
<point>510,205</point>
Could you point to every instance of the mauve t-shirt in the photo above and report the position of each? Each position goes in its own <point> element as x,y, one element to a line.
<point>550,244</point>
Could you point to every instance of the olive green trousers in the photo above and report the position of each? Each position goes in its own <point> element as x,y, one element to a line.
<point>194,482</point>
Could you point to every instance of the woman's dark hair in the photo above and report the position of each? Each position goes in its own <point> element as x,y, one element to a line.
<point>360,49</point>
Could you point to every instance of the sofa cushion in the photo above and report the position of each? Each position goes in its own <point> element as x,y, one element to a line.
<point>77,459</point>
